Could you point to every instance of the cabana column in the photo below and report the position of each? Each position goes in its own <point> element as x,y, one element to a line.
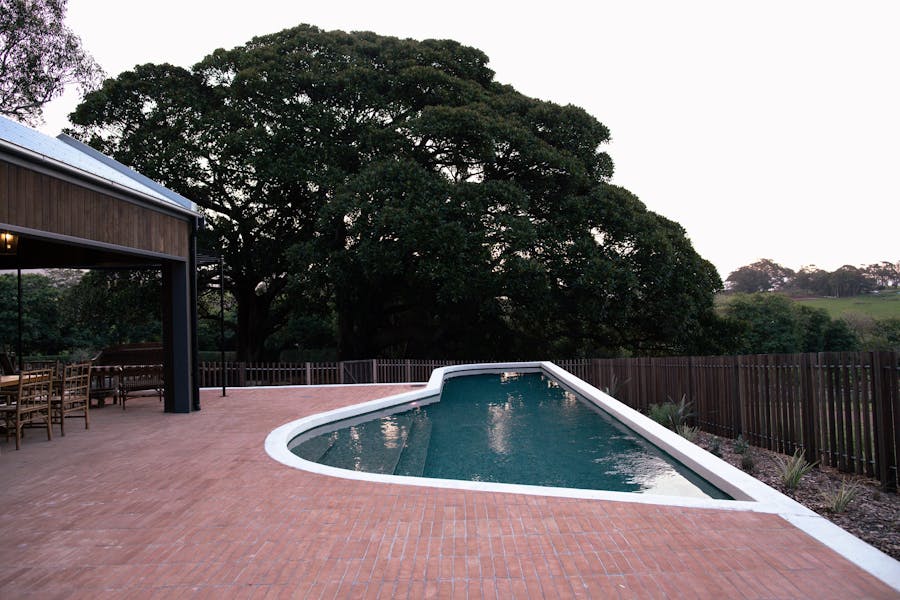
<point>177,337</point>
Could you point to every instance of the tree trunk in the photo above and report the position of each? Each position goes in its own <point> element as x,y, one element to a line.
<point>253,325</point>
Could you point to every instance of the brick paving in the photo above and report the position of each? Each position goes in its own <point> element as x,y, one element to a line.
<point>154,505</point>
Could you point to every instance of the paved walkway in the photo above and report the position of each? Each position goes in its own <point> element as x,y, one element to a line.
<point>154,505</point>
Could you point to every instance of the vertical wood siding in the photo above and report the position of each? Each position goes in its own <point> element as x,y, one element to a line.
<point>45,203</point>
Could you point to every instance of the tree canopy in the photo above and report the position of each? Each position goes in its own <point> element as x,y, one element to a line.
<point>390,193</point>
<point>775,324</point>
<point>66,311</point>
<point>39,57</point>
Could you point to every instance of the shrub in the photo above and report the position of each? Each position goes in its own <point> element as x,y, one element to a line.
<point>838,499</point>
<point>661,413</point>
<point>793,469</point>
<point>687,432</point>
<point>748,463</point>
<point>715,447</point>
<point>614,385</point>
<point>740,445</point>
<point>671,414</point>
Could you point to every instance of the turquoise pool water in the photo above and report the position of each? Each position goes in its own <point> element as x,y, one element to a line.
<point>505,428</point>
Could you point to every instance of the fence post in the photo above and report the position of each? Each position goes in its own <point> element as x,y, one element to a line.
<point>341,372</point>
<point>374,370</point>
<point>408,376</point>
<point>808,408</point>
<point>242,374</point>
<point>739,397</point>
<point>884,374</point>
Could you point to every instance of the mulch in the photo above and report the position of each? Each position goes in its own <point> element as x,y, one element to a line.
<point>873,516</point>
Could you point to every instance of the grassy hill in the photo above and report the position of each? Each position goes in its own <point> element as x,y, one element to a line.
<point>884,305</point>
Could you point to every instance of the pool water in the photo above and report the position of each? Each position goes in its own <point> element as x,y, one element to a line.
<point>505,428</point>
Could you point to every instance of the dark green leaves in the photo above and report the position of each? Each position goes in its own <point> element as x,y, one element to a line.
<point>394,185</point>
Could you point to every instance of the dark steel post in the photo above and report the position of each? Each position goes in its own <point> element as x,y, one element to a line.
<point>19,342</point>
<point>222,320</point>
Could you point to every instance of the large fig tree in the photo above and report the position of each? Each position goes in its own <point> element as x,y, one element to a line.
<point>393,186</point>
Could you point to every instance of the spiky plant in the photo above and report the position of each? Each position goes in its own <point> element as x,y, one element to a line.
<point>840,498</point>
<point>793,469</point>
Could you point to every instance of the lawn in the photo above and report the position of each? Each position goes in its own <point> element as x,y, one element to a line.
<point>884,305</point>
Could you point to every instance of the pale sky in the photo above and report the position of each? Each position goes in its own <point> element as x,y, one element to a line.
<point>767,129</point>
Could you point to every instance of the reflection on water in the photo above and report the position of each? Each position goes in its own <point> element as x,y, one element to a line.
<point>499,428</point>
<point>510,428</point>
<point>390,431</point>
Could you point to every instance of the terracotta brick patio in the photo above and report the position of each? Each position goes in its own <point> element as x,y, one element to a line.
<point>154,505</point>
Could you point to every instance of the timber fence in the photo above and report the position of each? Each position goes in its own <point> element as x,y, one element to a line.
<point>243,374</point>
<point>841,408</point>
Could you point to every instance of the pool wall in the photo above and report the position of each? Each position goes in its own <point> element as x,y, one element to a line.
<point>750,494</point>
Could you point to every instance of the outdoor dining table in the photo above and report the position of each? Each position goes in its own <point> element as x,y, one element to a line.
<point>10,383</point>
<point>8,387</point>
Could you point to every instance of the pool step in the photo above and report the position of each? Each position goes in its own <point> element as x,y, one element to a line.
<point>315,448</point>
<point>374,447</point>
<point>415,451</point>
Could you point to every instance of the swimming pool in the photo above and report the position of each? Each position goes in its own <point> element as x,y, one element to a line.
<point>749,493</point>
<point>511,427</point>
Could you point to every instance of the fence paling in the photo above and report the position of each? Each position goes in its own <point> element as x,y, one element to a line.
<point>824,404</point>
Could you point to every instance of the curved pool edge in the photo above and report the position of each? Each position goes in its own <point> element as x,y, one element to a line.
<point>750,494</point>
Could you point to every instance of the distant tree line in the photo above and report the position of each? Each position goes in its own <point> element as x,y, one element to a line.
<point>763,318</point>
<point>768,276</point>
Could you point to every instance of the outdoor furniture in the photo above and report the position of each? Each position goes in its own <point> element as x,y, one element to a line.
<point>121,371</point>
<point>105,383</point>
<point>30,405</point>
<point>73,399</point>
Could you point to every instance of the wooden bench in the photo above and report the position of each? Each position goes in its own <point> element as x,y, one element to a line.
<point>124,371</point>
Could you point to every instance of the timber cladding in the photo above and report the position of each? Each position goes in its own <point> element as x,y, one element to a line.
<point>43,202</point>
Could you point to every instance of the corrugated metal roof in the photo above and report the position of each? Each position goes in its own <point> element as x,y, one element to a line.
<point>74,154</point>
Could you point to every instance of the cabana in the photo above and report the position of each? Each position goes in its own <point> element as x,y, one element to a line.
<point>65,205</point>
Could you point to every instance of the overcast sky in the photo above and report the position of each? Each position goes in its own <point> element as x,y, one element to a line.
<point>767,129</point>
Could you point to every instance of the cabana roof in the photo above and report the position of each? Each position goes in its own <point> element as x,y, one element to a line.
<point>70,155</point>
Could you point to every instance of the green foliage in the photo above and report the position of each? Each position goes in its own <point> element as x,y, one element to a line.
<point>767,275</point>
<point>614,385</point>
<point>762,276</point>
<point>837,500</point>
<point>740,445</point>
<point>40,57</point>
<point>792,470</point>
<point>775,324</point>
<point>662,413</point>
<point>715,447</point>
<point>75,314</point>
<point>42,330</point>
<point>884,335</point>
<point>687,432</point>
<point>115,307</point>
<point>748,461</point>
<point>671,414</point>
<point>389,193</point>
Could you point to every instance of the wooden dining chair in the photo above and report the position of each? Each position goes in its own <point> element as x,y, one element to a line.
<point>31,405</point>
<point>74,396</point>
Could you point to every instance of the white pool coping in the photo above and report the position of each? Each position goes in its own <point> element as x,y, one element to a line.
<point>750,494</point>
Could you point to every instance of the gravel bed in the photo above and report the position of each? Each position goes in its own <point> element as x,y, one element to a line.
<point>873,515</point>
